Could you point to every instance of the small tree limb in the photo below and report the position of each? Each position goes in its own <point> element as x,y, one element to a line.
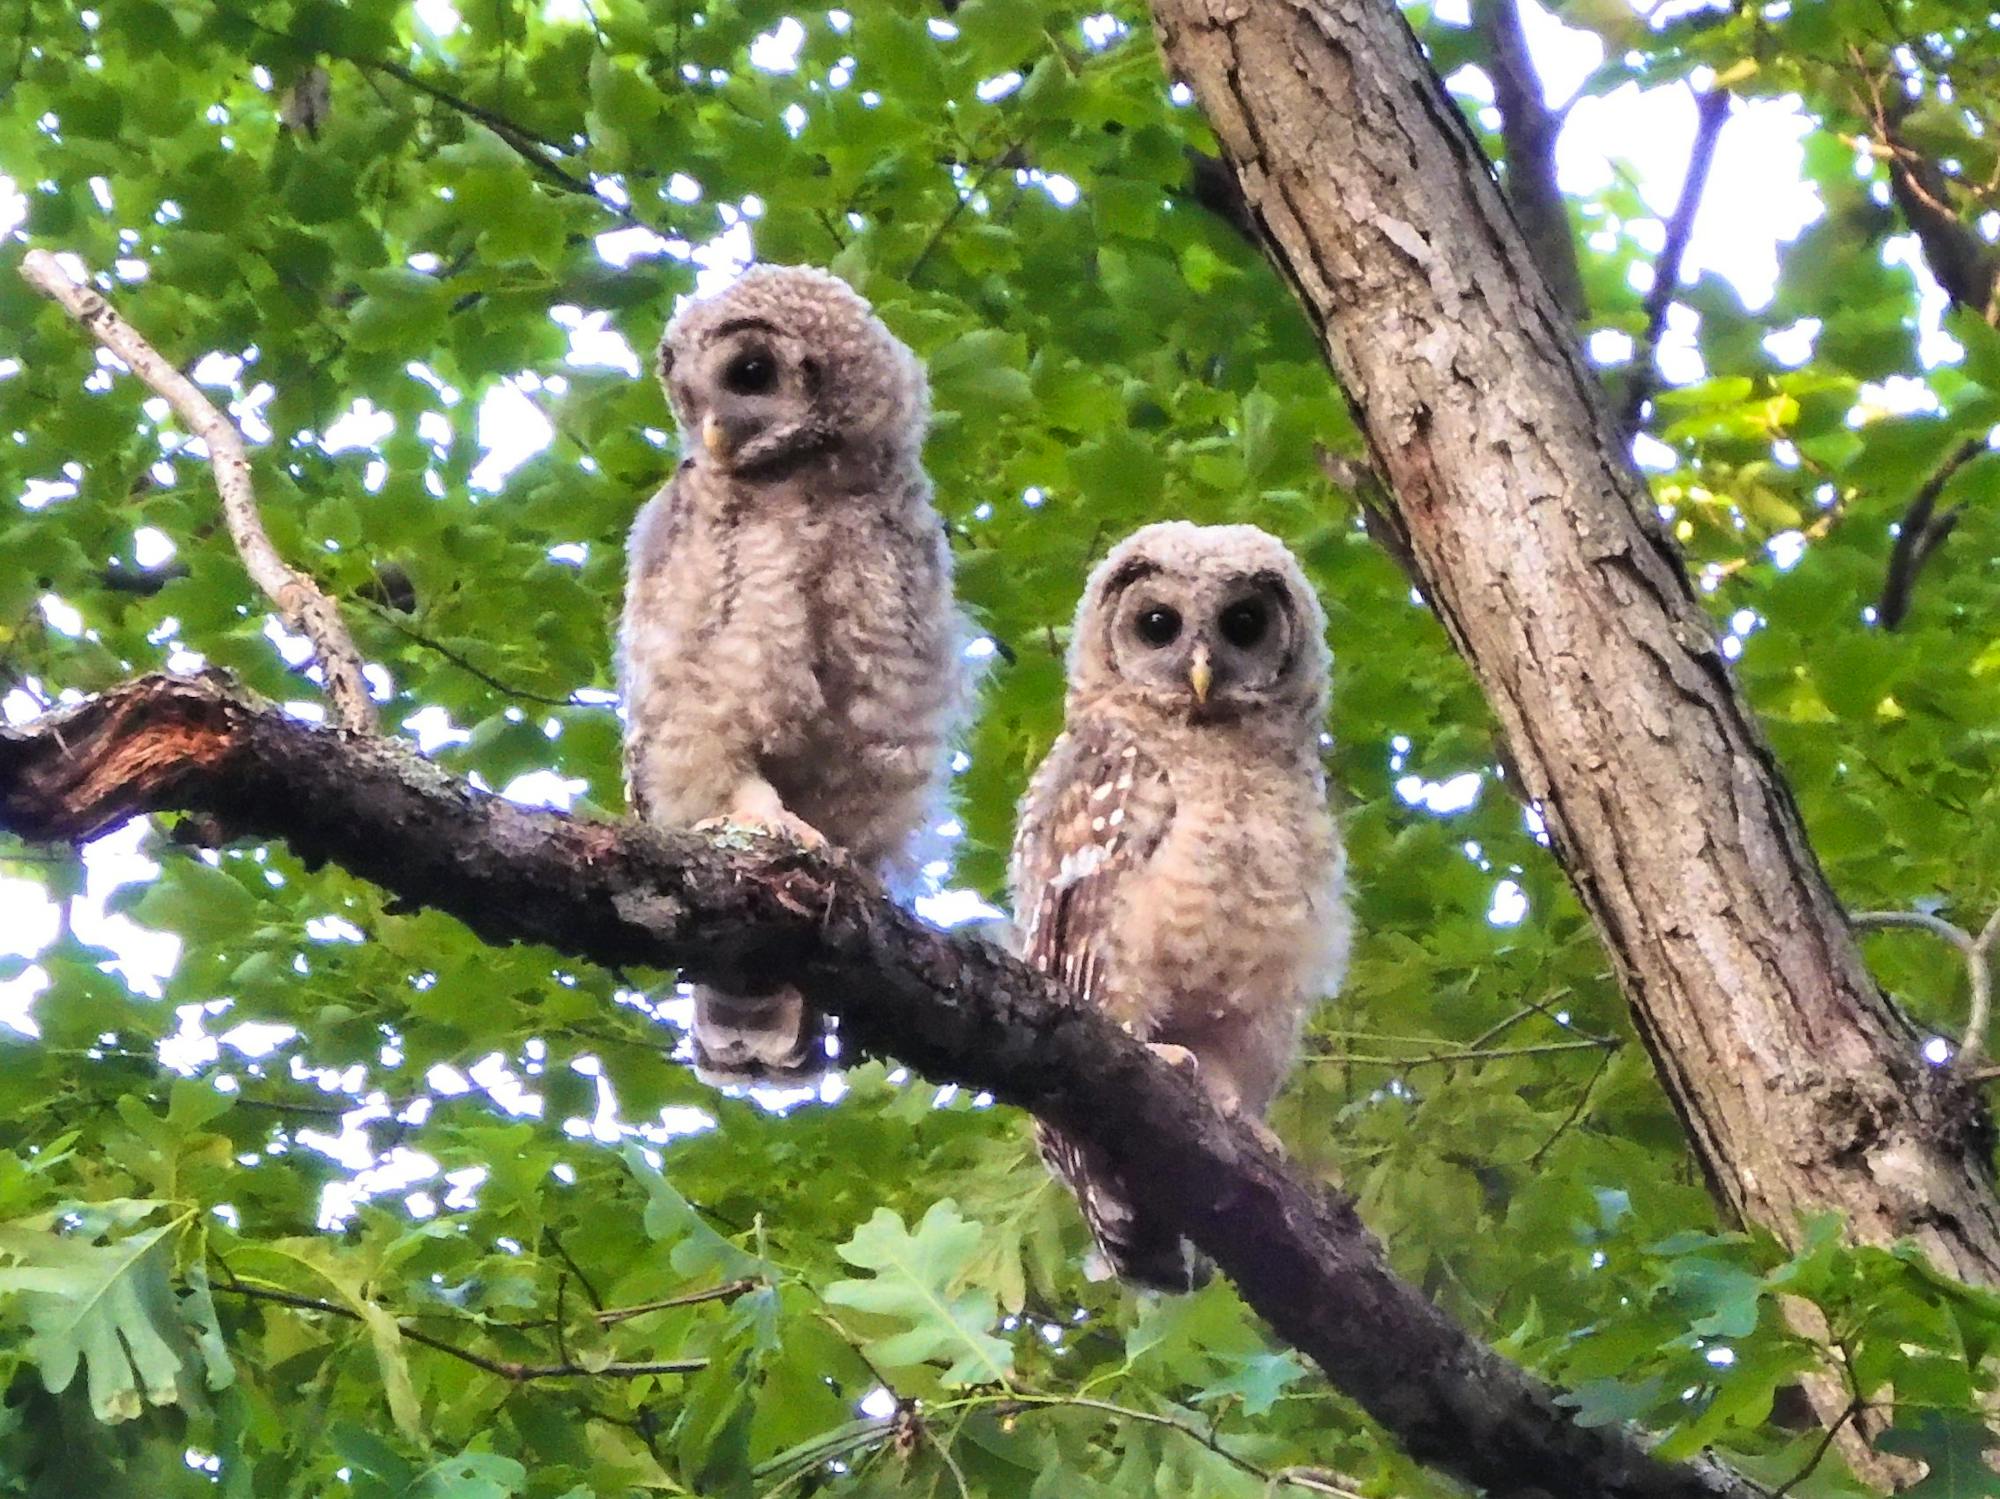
<point>1978,954</point>
<point>958,1009</point>
<point>301,603</point>
<point>1528,128</point>
<point>511,1369</point>
<point>1919,534</point>
<point>1711,114</point>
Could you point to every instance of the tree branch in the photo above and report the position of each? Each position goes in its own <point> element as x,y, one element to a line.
<point>1978,954</point>
<point>1711,114</point>
<point>520,1373</point>
<point>532,148</point>
<point>1963,263</point>
<point>1528,129</point>
<point>955,1008</point>
<point>300,601</point>
<point>1920,533</point>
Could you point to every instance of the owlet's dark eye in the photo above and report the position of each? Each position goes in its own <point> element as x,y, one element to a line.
<point>751,373</point>
<point>1243,624</point>
<point>1158,625</point>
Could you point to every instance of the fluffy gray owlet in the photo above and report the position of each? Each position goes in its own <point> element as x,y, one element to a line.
<point>790,652</point>
<point>1175,863</point>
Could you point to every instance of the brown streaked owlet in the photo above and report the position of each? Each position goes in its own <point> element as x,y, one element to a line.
<point>790,655</point>
<point>1175,863</point>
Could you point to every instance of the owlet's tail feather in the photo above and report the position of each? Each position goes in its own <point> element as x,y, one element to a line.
<point>774,1038</point>
<point>1136,1246</point>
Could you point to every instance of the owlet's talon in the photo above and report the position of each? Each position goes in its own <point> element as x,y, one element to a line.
<point>775,825</point>
<point>1266,1136</point>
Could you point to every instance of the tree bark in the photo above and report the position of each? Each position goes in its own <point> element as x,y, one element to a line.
<point>959,1010</point>
<point>1801,1085</point>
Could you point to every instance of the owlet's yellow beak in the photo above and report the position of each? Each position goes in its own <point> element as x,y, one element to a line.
<point>1200,675</point>
<point>713,437</point>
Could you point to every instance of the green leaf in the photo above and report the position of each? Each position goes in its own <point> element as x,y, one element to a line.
<point>1952,1447</point>
<point>917,1283</point>
<point>201,902</point>
<point>671,1219</point>
<point>108,1308</point>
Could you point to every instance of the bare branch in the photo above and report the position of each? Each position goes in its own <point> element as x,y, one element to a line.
<point>1826,1439</point>
<point>1920,533</point>
<point>760,910</point>
<point>301,603</point>
<point>1711,114</point>
<point>1978,954</point>
<point>1528,128</point>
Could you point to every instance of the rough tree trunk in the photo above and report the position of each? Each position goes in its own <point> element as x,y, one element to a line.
<point>1801,1086</point>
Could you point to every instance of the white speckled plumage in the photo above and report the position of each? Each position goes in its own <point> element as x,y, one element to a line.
<point>790,651</point>
<point>1175,863</point>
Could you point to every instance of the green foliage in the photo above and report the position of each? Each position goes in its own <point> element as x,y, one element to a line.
<point>918,1285</point>
<point>572,1270</point>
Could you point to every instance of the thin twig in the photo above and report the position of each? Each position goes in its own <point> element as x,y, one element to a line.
<point>943,1449</point>
<point>493,120</point>
<point>1921,921</point>
<point>524,143</point>
<point>1978,954</point>
<point>1310,1479</point>
<point>1467,1054</point>
<point>505,1368</point>
<point>1576,1113</point>
<point>563,1254</point>
<point>610,1316</point>
<point>301,603</point>
<point>458,659</point>
<point>973,190</point>
<point>1711,114</point>
<point>1826,1437</point>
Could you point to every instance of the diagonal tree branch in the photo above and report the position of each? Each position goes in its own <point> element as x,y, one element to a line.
<point>301,603</point>
<point>956,1009</point>
<point>1528,129</point>
<point>1711,114</point>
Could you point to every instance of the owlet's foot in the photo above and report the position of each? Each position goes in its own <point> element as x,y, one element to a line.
<point>756,806</point>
